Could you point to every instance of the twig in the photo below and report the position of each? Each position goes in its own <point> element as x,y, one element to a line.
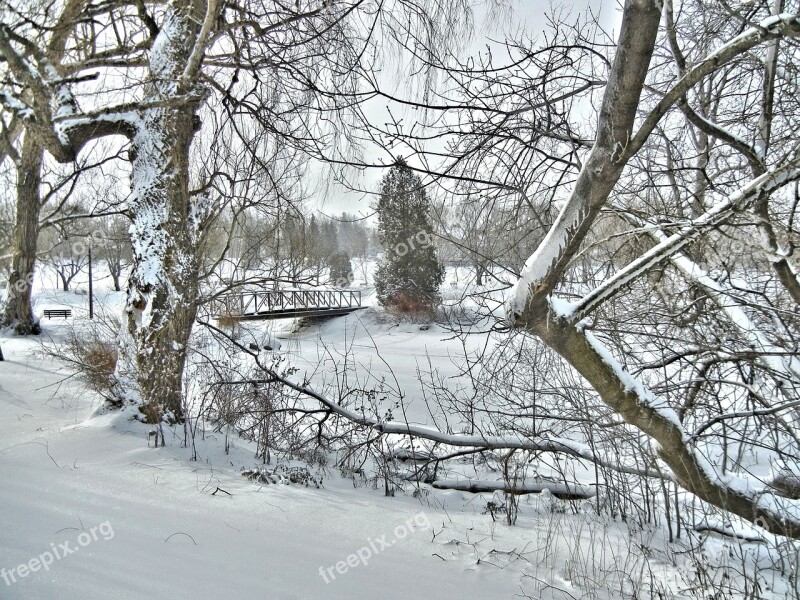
<point>180,533</point>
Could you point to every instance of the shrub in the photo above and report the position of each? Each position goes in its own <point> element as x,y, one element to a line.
<point>90,350</point>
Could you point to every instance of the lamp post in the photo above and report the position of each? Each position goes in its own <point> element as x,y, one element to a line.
<point>91,291</point>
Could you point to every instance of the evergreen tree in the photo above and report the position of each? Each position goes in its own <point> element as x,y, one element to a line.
<point>329,240</point>
<point>409,275</point>
<point>341,270</point>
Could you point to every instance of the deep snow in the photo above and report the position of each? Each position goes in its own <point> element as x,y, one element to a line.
<point>64,471</point>
<point>163,527</point>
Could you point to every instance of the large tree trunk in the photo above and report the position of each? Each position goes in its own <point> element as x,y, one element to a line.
<point>18,310</point>
<point>162,289</point>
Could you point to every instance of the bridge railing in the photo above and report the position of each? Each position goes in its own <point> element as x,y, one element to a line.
<point>251,303</point>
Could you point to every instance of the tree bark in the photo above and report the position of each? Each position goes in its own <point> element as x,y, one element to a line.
<point>530,307</point>
<point>479,274</point>
<point>603,166</point>
<point>162,288</point>
<point>19,308</point>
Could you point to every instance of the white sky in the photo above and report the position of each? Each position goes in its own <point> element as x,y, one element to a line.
<point>522,15</point>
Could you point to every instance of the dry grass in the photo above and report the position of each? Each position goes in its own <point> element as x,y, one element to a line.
<point>90,350</point>
<point>228,321</point>
<point>411,308</point>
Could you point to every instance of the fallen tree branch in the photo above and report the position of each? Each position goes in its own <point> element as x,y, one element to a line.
<point>486,442</point>
<point>559,490</point>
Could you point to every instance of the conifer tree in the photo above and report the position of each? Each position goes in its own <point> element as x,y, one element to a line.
<point>409,275</point>
<point>341,269</point>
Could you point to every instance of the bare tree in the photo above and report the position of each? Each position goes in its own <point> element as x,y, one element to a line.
<point>487,235</point>
<point>66,263</point>
<point>666,281</point>
<point>616,168</point>
<point>27,157</point>
<point>115,248</point>
<point>264,59</point>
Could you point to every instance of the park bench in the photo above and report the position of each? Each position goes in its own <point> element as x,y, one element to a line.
<point>57,312</point>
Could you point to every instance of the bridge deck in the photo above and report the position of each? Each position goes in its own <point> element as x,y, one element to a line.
<point>280,304</point>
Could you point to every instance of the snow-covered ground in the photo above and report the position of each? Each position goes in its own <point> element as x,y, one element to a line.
<point>90,509</point>
<point>64,472</point>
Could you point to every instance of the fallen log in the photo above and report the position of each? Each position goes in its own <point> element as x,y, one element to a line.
<point>407,454</point>
<point>571,491</point>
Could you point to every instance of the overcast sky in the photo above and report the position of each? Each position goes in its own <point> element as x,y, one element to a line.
<point>522,15</point>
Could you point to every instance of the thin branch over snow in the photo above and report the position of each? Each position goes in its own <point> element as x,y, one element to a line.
<point>488,442</point>
<point>742,495</point>
<point>669,246</point>
<point>616,143</point>
<point>767,353</point>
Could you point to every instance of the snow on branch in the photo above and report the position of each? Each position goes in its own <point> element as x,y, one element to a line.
<point>18,64</point>
<point>742,495</point>
<point>540,262</point>
<point>784,24</point>
<point>668,246</point>
<point>603,167</point>
<point>615,145</point>
<point>10,102</point>
<point>43,77</point>
<point>488,442</point>
<point>768,354</point>
<point>566,491</point>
